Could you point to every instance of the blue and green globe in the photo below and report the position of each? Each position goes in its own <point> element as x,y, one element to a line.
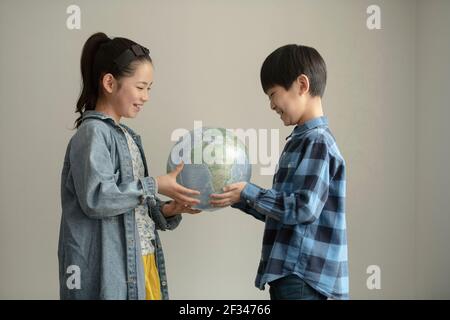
<point>213,158</point>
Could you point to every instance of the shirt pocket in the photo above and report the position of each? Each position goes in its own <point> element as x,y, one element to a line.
<point>286,171</point>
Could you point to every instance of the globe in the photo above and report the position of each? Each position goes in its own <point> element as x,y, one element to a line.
<point>213,158</point>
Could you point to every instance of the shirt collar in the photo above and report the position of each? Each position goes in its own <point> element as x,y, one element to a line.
<point>310,124</point>
<point>96,114</point>
<point>102,116</point>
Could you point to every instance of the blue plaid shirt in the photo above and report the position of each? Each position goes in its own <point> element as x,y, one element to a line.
<point>304,213</point>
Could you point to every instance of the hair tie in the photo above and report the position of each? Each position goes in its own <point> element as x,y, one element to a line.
<point>130,54</point>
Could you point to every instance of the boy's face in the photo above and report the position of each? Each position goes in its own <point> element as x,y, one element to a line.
<point>289,104</point>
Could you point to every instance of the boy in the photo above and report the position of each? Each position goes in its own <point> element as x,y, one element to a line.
<point>304,252</point>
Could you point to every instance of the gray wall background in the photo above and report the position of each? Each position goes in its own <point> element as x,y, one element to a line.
<point>387,99</point>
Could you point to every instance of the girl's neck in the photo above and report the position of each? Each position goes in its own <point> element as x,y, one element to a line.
<point>103,107</point>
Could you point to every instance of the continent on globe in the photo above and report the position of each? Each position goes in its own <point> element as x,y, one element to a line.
<point>213,158</point>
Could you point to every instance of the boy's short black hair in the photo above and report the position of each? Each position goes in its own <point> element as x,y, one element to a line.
<point>286,63</point>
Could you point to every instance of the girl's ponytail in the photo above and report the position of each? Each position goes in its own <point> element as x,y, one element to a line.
<point>88,96</point>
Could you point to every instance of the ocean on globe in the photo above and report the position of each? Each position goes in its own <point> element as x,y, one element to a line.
<point>213,158</point>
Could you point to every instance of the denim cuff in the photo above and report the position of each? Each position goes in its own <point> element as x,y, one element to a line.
<point>149,187</point>
<point>167,223</point>
<point>173,222</point>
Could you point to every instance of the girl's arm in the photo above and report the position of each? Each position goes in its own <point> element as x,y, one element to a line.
<point>95,180</point>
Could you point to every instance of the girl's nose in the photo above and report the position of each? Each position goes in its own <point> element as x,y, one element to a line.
<point>145,97</point>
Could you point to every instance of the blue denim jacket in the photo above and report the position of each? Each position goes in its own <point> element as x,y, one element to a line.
<point>99,250</point>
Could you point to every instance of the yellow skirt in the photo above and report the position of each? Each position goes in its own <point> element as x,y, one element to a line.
<point>152,286</point>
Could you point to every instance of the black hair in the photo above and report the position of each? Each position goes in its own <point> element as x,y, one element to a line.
<point>97,59</point>
<point>283,66</point>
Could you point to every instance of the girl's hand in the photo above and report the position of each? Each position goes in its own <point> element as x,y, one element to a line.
<point>168,186</point>
<point>231,195</point>
<point>173,207</point>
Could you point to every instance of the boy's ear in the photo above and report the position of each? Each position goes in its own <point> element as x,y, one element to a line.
<point>108,82</point>
<point>302,83</point>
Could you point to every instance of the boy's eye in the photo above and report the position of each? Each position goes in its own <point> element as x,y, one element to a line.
<point>140,88</point>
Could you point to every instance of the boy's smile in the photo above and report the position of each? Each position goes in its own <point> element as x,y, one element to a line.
<point>295,105</point>
<point>286,103</point>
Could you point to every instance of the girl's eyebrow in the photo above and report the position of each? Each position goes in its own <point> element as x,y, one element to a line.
<point>144,82</point>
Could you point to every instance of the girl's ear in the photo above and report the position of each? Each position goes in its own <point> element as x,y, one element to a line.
<point>108,82</point>
<point>302,84</point>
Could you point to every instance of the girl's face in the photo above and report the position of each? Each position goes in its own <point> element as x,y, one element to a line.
<point>129,98</point>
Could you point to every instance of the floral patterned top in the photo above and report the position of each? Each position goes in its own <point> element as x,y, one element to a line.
<point>145,224</point>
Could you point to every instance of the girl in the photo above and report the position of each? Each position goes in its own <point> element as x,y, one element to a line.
<point>108,245</point>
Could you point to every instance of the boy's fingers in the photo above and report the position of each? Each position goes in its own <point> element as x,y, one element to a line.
<point>228,188</point>
<point>220,195</point>
<point>231,186</point>
<point>220,203</point>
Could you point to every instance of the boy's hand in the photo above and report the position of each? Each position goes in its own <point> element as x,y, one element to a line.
<point>168,186</point>
<point>173,208</point>
<point>231,195</point>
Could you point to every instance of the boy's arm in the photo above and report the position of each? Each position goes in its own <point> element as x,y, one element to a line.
<point>306,202</point>
<point>242,205</point>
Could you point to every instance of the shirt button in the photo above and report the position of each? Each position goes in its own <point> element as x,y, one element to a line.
<point>248,201</point>
<point>163,283</point>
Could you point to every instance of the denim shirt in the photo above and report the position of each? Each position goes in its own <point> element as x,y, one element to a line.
<point>99,249</point>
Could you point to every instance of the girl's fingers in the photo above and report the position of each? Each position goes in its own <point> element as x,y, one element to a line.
<point>178,168</point>
<point>187,200</point>
<point>187,209</point>
<point>187,191</point>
